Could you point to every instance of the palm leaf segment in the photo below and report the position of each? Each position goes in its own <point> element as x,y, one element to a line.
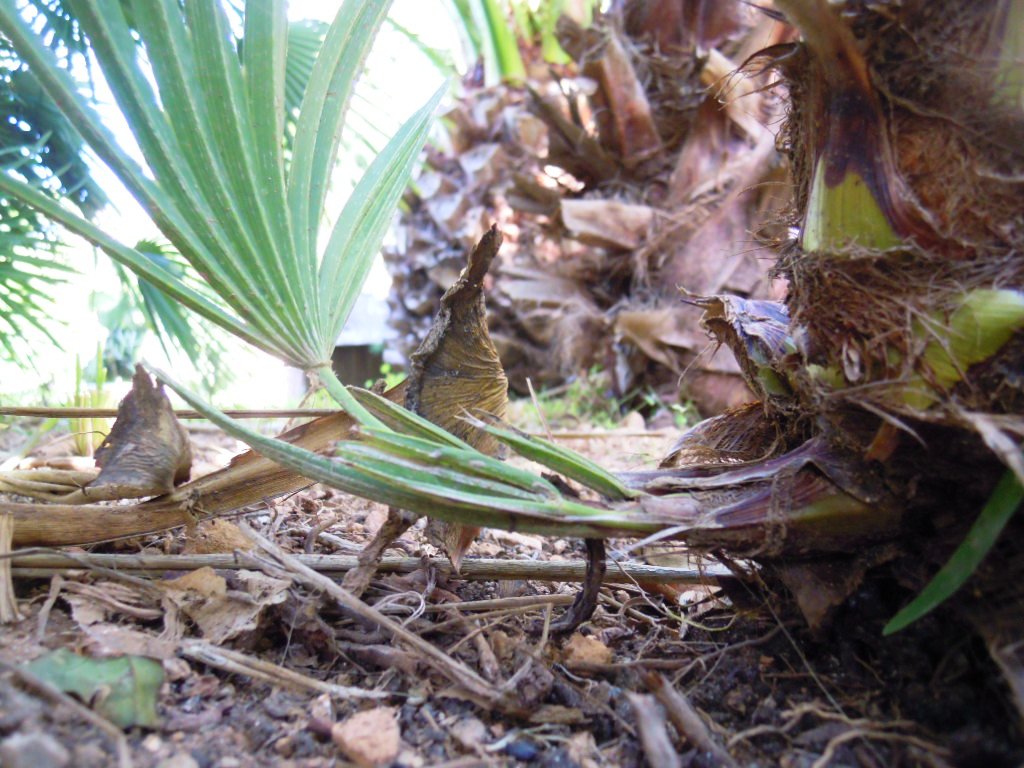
<point>209,117</point>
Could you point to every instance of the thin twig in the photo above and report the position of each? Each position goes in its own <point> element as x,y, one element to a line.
<point>45,690</point>
<point>240,664</point>
<point>686,720</point>
<point>453,670</point>
<point>538,409</point>
<point>501,603</point>
<point>650,722</point>
<point>44,613</point>
<point>182,413</point>
<point>868,735</point>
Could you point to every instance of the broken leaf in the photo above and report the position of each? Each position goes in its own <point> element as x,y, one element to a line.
<point>222,613</point>
<point>124,690</point>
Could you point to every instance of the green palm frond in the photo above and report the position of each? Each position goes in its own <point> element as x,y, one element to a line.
<point>28,270</point>
<point>210,120</point>
<point>35,134</point>
<point>431,474</point>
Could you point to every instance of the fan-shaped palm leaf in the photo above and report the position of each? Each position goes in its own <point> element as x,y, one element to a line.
<point>209,116</point>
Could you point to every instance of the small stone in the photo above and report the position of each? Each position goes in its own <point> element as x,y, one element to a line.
<point>582,749</point>
<point>33,750</point>
<point>284,746</point>
<point>89,753</point>
<point>152,743</point>
<point>178,760</point>
<point>581,649</point>
<point>229,762</point>
<point>369,738</point>
<point>408,758</point>
<point>322,708</point>
<point>521,750</point>
<point>470,733</point>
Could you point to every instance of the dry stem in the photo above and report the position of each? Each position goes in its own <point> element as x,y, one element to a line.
<point>650,722</point>
<point>43,564</point>
<point>8,602</point>
<point>237,663</point>
<point>686,720</point>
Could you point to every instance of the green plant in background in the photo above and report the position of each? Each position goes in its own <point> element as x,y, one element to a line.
<point>40,145</point>
<point>490,32</point>
<point>211,123</point>
<point>588,399</point>
<point>144,306</point>
<point>388,374</point>
<point>43,147</point>
<point>87,433</point>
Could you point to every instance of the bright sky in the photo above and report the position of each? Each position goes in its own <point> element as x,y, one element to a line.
<point>400,80</point>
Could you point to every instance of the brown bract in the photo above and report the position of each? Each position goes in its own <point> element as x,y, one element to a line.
<point>147,453</point>
<point>456,370</point>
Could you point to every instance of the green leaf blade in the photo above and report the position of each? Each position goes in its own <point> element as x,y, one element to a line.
<point>322,115</point>
<point>357,235</point>
<point>1005,501</point>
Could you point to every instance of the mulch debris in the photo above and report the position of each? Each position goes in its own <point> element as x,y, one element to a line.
<point>765,690</point>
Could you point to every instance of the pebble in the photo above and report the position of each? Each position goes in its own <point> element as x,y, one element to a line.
<point>179,760</point>
<point>369,738</point>
<point>33,750</point>
<point>521,750</point>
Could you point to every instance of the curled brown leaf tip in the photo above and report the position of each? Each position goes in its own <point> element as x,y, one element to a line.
<point>147,453</point>
<point>457,369</point>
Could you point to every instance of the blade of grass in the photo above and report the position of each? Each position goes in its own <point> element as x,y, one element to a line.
<point>1005,500</point>
<point>467,461</point>
<point>510,63</point>
<point>402,420</point>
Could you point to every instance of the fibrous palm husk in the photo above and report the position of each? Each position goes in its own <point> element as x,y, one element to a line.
<point>456,370</point>
<point>634,172</point>
<point>898,351</point>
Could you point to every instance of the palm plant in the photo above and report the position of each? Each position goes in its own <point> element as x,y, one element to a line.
<point>838,454</point>
<point>889,382</point>
<point>597,166</point>
<point>209,115</point>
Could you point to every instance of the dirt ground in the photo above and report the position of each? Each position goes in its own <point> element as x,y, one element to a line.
<point>764,689</point>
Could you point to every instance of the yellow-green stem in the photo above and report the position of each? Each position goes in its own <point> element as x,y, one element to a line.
<point>346,399</point>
